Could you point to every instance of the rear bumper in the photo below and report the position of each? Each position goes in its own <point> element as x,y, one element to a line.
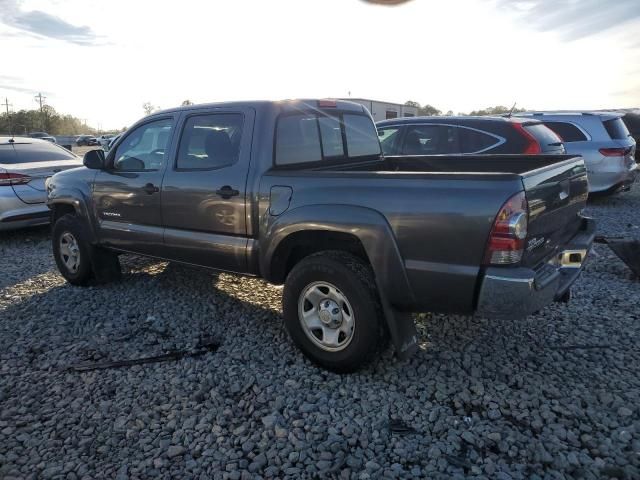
<point>14,213</point>
<point>602,181</point>
<point>512,293</point>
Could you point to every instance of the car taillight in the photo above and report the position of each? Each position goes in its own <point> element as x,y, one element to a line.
<point>7,179</point>
<point>615,152</point>
<point>533,146</point>
<point>506,241</point>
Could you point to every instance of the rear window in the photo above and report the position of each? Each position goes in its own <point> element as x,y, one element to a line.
<point>362,137</point>
<point>7,154</point>
<point>34,152</point>
<point>472,141</point>
<point>616,129</point>
<point>307,138</point>
<point>567,131</point>
<point>543,134</point>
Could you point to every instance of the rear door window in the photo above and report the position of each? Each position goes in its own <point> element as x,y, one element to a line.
<point>210,141</point>
<point>430,140</point>
<point>39,152</point>
<point>567,131</point>
<point>616,129</point>
<point>474,141</point>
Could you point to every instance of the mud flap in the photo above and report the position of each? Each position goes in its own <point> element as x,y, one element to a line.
<point>402,329</point>
<point>106,266</point>
<point>627,250</point>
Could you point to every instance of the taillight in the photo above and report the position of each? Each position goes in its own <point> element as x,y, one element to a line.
<point>615,152</point>
<point>506,241</point>
<point>9,178</point>
<point>533,146</point>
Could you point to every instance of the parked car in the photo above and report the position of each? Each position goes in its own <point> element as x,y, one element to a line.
<point>87,140</point>
<point>112,141</point>
<point>466,135</point>
<point>603,141</point>
<point>43,136</point>
<point>297,192</point>
<point>632,121</point>
<point>104,140</point>
<point>25,163</point>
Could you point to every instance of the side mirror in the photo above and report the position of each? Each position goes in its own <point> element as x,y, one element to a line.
<point>94,159</point>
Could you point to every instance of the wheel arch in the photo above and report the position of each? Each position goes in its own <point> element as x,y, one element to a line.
<point>360,231</point>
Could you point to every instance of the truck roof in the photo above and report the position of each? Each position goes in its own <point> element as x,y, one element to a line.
<point>292,104</point>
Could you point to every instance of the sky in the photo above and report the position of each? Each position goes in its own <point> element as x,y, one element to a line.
<point>100,61</point>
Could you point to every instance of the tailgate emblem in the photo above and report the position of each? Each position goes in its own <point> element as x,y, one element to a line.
<point>535,243</point>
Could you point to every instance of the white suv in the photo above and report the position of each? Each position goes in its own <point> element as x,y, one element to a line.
<point>603,141</point>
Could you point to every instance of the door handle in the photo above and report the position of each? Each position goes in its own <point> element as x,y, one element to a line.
<point>150,188</point>
<point>227,192</point>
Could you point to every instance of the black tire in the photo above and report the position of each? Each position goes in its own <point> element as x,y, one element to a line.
<point>71,224</point>
<point>354,279</point>
<point>95,263</point>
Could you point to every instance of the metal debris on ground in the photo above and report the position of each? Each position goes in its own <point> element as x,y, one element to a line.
<point>400,427</point>
<point>169,356</point>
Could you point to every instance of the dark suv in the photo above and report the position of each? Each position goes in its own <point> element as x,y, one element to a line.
<point>467,135</point>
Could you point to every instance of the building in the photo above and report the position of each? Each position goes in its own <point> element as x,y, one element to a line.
<point>385,110</point>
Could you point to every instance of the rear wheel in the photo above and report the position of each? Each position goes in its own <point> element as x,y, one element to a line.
<point>332,311</point>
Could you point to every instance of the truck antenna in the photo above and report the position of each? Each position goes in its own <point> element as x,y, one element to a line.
<point>512,109</point>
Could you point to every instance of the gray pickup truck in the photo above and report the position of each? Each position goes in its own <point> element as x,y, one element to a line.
<point>298,192</point>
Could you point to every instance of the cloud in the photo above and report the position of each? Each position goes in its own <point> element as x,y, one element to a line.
<point>44,24</point>
<point>573,19</point>
<point>9,82</point>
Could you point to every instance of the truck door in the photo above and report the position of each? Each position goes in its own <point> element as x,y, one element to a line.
<point>204,190</point>
<point>127,193</point>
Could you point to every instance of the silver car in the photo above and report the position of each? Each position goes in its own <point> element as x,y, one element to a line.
<point>25,164</point>
<point>603,141</point>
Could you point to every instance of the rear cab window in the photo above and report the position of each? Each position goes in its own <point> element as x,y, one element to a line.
<point>316,137</point>
<point>616,129</point>
<point>33,152</point>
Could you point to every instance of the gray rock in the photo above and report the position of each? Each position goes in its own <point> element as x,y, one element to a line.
<point>175,451</point>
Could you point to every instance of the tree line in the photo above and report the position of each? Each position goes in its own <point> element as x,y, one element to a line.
<point>429,110</point>
<point>48,120</point>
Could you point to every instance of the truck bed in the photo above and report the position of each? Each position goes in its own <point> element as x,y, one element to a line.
<point>441,209</point>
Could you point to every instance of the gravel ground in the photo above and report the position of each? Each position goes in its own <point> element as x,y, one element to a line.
<point>555,396</point>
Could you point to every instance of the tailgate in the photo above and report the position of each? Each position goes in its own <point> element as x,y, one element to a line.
<point>556,195</point>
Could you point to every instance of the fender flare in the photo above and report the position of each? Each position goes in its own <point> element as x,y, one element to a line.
<point>75,198</point>
<point>378,240</point>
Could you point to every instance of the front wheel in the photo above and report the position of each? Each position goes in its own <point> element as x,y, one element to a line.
<point>80,262</point>
<point>332,311</point>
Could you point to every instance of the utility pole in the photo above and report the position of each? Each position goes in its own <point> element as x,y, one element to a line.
<point>40,99</point>
<point>7,105</point>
